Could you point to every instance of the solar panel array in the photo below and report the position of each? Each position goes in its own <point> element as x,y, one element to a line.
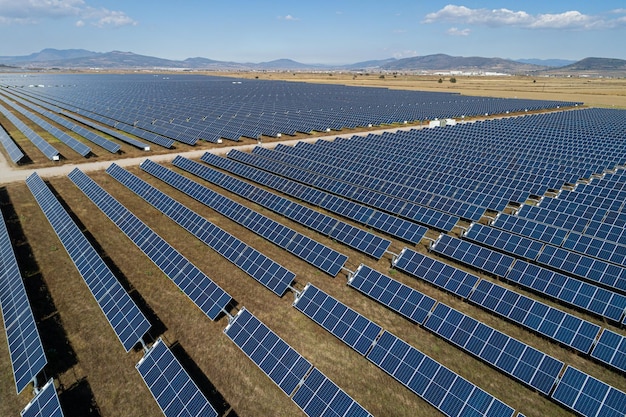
<point>14,152</point>
<point>378,220</point>
<point>25,348</point>
<point>263,269</point>
<point>354,237</point>
<point>48,150</point>
<point>589,396</point>
<point>311,390</point>
<point>205,293</point>
<point>511,356</point>
<point>445,390</point>
<point>45,404</point>
<point>123,315</point>
<point>170,385</point>
<point>313,252</point>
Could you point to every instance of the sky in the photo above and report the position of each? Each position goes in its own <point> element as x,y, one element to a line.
<point>321,31</point>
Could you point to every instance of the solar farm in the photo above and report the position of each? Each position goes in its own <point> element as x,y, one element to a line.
<point>476,268</point>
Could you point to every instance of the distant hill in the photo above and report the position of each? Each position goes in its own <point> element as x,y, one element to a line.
<point>443,62</point>
<point>80,58</point>
<point>546,62</point>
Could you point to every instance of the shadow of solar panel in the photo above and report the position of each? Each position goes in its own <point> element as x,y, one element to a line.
<point>517,359</point>
<point>320,256</point>
<point>25,348</point>
<point>588,396</point>
<point>402,299</point>
<point>448,392</point>
<point>436,272</point>
<point>611,349</point>
<point>503,241</point>
<point>48,150</point>
<point>15,154</point>
<point>553,323</point>
<point>378,220</point>
<point>170,385</point>
<point>45,404</point>
<point>267,272</point>
<point>279,361</point>
<point>585,296</point>
<point>205,293</point>
<point>123,315</point>
<point>319,396</point>
<point>344,323</point>
<point>482,258</point>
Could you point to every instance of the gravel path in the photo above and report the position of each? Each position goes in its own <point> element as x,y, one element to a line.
<point>10,174</point>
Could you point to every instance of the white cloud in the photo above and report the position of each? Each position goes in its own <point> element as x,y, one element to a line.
<point>504,17</point>
<point>34,11</point>
<point>458,32</point>
<point>288,17</point>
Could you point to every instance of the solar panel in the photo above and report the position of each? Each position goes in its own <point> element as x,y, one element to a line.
<point>279,361</point>
<point>436,272</point>
<point>344,323</point>
<point>45,404</point>
<point>123,315</point>
<point>529,228</point>
<point>378,220</point>
<point>474,255</point>
<point>313,252</point>
<point>354,237</point>
<point>509,355</point>
<point>611,349</point>
<point>170,385</point>
<point>560,326</point>
<point>319,396</point>
<point>408,302</point>
<point>266,271</point>
<point>127,139</point>
<point>48,150</point>
<point>15,154</point>
<point>448,392</point>
<point>588,396</point>
<point>503,241</point>
<point>25,348</point>
<point>205,293</point>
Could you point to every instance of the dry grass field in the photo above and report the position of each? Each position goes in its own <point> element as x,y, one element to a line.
<point>96,377</point>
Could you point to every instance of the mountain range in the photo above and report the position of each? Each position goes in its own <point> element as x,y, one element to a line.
<point>84,59</point>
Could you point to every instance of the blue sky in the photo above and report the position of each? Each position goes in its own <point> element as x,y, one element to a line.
<point>322,31</point>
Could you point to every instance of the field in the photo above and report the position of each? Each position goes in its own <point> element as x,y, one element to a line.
<point>96,377</point>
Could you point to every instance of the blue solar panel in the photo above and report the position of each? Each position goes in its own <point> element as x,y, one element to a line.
<point>25,348</point>
<point>530,229</point>
<point>207,295</point>
<point>48,150</point>
<point>359,239</point>
<point>378,220</point>
<point>551,322</point>
<point>504,241</point>
<point>588,396</point>
<point>15,154</point>
<point>411,303</point>
<point>319,396</point>
<point>313,252</point>
<point>511,356</point>
<point>266,271</point>
<point>572,291</point>
<point>448,392</point>
<point>436,272</point>
<point>45,404</point>
<point>474,255</point>
<point>611,349</point>
<point>123,315</point>
<point>344,323</point>
<point>279,361</point>
<point>170,385</point>
<point>597,248</point>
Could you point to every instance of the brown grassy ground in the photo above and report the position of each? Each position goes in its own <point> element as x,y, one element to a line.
<point>113,383</point>
<point>98,378</point>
